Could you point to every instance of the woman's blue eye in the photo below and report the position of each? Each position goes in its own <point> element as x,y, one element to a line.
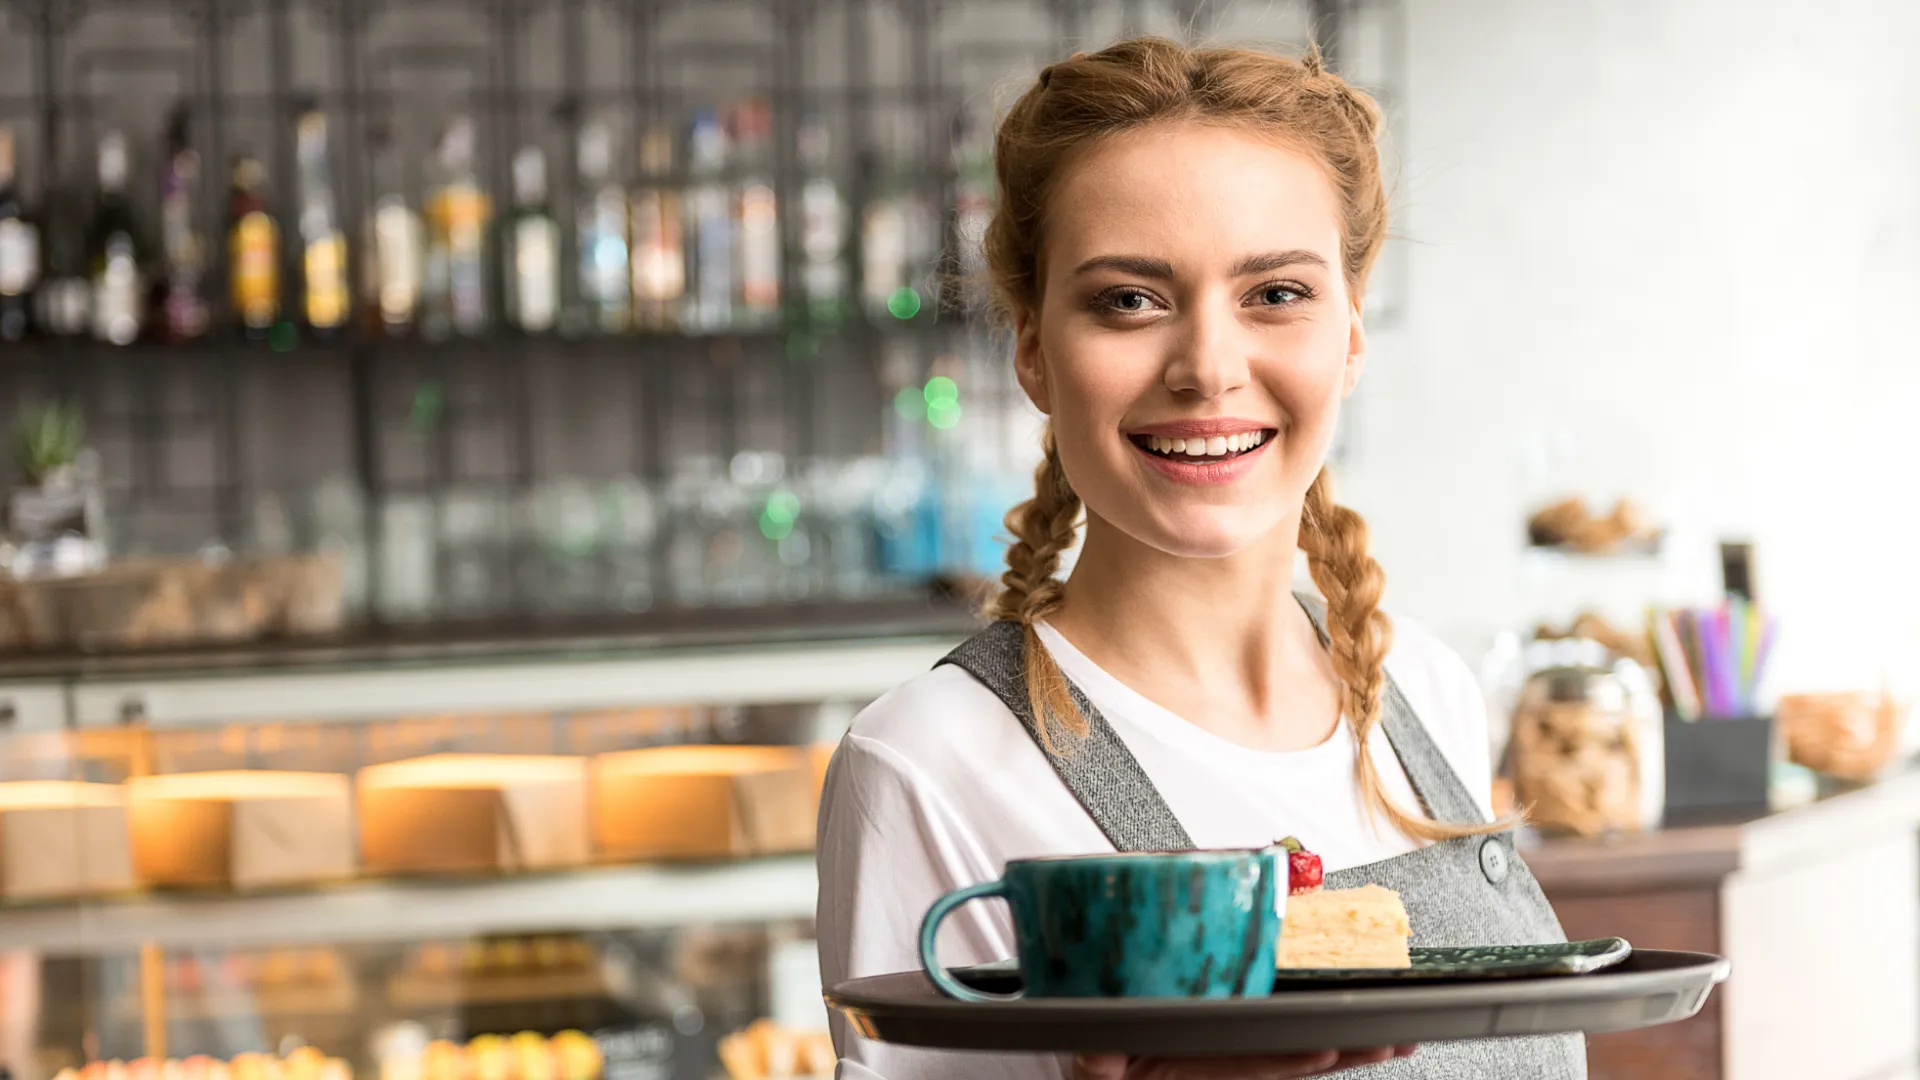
<point>1130,301</point>
<point>1279,294</point>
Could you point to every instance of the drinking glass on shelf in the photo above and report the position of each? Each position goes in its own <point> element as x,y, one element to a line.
<point>475,534</point>
<point>409,558</point>
<point>567,535</point>
<point>629,527</point>
<point>686,546</point>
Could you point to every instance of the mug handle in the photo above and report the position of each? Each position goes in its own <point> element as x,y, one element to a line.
<point>942,908</point>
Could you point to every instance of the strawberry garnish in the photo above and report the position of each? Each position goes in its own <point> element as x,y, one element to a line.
<point>1304,874</point>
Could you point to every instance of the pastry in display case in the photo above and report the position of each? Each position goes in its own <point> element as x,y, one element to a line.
<point>241,829</point>
<point>443,974</point>
<point>765,1051</point>
<point>703,802</point>
<point>473,813</point>
<point>63,838</point>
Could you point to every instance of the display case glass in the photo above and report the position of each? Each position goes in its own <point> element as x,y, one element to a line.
<point>567,893</point>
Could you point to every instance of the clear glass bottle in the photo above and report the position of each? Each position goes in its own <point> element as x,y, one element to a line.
<point>900,233</point>
<point>659,243</point>
<point>325,302</point>
<point>822,226</point>
<point>606,282</point>
<point>118,286</point>
<point>709,305</point>
<point>19,250</point>
<point>395,246</point>
<point>973,207</point>
<point>532,248</point>
<point>458,213</point>
<point>756,217</point>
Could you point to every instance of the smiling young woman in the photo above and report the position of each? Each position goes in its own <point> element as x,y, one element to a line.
<point>1181,244</point>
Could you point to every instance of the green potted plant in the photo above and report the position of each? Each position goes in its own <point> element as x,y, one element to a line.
<point>47,440</point>
<point>48,511</point>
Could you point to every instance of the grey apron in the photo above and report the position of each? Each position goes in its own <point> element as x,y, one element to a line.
<point>1471,891</point>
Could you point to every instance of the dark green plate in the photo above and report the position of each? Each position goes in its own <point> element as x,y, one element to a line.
<point>1474,962</point>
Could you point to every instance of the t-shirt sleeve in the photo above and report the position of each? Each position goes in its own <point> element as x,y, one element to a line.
<point>889,846</point>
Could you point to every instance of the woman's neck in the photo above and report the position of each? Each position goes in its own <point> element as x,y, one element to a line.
<point>1221,642</point>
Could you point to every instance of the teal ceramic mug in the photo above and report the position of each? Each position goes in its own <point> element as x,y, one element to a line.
<point>1195,924</point>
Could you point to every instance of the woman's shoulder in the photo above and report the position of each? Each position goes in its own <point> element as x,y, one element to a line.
<point>1419,661</point>
<point>941,717</point>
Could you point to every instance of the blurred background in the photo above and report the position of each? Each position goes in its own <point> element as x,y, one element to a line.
<point>469,460</point>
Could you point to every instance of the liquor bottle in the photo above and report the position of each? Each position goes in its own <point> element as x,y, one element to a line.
<point>394,247</point>
<point>606,283</point>
<point>182,313</point>
<point>898,234</point>
<point>458,213</point>
<point>114,251</point>
<point>659,245</point>
<point>62,303</point>
<point>756,217</point>
<point>972,206</point>
<point>19,250</point>
<point>709,303</point>
<point>323,244</point>
<point>823,226</point>
<point>532,248</point>
<point>253,251</point>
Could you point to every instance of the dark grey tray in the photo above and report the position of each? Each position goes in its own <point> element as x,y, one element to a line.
<point>1650,987</point>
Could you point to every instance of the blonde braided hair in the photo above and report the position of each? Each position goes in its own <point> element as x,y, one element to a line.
<point>1030,589</point>
<point>1092,96</point>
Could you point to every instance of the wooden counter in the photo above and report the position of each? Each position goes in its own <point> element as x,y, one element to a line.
<point>1817,907</point>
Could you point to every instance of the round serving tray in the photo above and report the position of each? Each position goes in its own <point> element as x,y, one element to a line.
<point>1650,987</point>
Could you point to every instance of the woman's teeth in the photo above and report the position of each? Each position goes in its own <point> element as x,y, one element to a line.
<point>1216,446</point>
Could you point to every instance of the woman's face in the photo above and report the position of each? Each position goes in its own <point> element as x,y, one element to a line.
<point>1194,337</point>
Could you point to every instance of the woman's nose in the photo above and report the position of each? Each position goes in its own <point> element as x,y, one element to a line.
<point>1208,358</point>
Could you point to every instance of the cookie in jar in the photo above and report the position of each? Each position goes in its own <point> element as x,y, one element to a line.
<point>1585,754</point>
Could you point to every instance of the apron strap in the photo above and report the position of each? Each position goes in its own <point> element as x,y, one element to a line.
<point>1098,769</point>
<point>1440,789</point>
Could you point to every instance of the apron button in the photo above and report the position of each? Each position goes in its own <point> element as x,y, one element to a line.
<point>1493,861</point>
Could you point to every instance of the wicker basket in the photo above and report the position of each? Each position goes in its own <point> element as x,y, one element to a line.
<point>1850,736</point>
<point>157,603</point>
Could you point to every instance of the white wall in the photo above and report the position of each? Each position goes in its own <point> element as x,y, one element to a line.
<point>1682,237</point>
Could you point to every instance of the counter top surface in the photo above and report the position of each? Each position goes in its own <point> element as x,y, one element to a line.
<point>1691,854</point>
<point>919,616</point>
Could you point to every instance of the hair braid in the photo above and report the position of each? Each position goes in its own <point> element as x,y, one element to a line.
<point>1358,638</point>
<point>1042,528</point>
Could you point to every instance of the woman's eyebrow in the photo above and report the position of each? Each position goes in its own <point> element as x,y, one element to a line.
<point>1277,260</point>
<point>1161,270</point>
<point>1137,265</point>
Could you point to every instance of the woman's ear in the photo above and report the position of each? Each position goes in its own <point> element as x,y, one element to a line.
<point>1028,365</point>
<point>1356,351</point>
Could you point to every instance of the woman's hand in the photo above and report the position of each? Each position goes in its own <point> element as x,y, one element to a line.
<point>1121,1067</point>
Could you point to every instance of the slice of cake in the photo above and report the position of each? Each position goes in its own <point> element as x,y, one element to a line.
<point>1339,928</point>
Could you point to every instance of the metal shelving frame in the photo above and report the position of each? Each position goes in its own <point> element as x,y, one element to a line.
<point>490,384</point>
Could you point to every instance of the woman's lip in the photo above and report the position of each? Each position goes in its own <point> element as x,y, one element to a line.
<point>1202,429</point>
<point>1204,473</point>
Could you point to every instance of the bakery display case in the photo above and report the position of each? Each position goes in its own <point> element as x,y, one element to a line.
<point>526,863</point>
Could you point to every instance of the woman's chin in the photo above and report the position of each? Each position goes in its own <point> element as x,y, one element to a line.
<point>1206,536</point>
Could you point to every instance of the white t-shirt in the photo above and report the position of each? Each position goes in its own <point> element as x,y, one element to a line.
<point>937,786</point>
